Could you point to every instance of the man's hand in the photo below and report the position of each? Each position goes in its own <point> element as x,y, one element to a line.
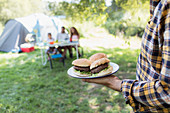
<point>112,82</point>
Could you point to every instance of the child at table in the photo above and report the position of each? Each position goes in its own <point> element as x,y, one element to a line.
<point>52,50</point>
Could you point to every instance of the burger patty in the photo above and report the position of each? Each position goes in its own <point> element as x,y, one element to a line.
<point>99,68</point>
<point>87,69</point>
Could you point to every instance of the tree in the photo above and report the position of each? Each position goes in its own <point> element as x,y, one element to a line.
<point>82,10</point>
<point>129,4</point>
<point>10,9</point>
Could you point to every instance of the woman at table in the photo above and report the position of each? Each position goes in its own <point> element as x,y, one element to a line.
<point>74,37</point>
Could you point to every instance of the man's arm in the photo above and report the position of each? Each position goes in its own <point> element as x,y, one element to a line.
<point>154,93</point>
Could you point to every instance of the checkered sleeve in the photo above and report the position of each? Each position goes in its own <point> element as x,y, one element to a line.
<point>155,93</point>
<point>151,94</point>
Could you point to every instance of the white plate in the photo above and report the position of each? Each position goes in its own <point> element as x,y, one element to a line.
<point>71,73</point>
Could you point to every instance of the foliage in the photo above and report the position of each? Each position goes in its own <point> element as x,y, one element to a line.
<point>121,26</point>
<point>111,11</point>
<point>29,87</point>
<point>132,31</point>
<point>128,4</point>
<point>84,10</point>
<point>131,19</point>
<point>86,29</point>
<point>127,16</point>
<point>10,9</point>
<point>122,16</point>
<point>115,26</point>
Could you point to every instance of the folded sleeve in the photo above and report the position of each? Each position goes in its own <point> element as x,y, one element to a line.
<point>151,94</point>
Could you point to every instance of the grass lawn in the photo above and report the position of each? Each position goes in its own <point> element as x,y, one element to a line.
<point>26,86</point>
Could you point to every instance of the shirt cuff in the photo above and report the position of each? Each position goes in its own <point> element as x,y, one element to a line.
<point>126,89</point>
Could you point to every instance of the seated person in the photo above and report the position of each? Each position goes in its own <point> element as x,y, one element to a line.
<point>52,50</point>
<point>74,37</point>
<point>63,36</point>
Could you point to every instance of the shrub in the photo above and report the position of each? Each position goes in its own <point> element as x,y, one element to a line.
<point>122,26</point>
<point>132,31</point>
<point>114,27</point>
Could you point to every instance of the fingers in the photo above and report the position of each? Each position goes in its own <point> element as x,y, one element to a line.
<point>100,80</point>
<point>96,80</point>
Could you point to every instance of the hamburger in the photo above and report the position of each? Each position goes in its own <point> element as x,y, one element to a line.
<point>82,67</point>
<point>97,56</point>
<point>101,67</point>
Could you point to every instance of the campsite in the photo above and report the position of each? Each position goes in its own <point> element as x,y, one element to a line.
<point>28,85</point>
<point>40,40</point>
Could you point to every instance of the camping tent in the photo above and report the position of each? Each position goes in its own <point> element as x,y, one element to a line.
<point>16,30</point>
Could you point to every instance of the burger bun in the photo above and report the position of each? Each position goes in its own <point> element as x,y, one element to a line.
<point>97,56</point>
<point>83,62</point>
<point>99,62</point>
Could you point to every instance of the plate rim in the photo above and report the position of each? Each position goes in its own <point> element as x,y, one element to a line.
<point>93,77</point>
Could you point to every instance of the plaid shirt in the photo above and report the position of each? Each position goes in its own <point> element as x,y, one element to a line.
<point>151,91</point>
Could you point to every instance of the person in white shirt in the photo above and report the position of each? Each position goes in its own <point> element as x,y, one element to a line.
<point>61,37</point>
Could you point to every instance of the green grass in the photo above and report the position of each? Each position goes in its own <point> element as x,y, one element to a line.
<point>26,86</point>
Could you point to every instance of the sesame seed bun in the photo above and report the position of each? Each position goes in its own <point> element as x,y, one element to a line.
<point>97,56</point>
<point>81,62</point>
<point>99,62</point>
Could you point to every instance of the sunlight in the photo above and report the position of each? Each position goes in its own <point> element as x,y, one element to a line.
<point>91,86</point>
<point>111,42</point>
<point>33,60</point>
<point>93,103</point>
<point>120,53</point>
<point>11,55</point>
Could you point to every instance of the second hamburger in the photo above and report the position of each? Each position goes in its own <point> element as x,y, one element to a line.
<point>97,56</point>
<point>101,67</point>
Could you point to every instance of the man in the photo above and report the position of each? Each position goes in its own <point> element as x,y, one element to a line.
<point>151,91</point>
<point>62,37</point>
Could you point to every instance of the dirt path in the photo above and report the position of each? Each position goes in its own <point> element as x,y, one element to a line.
<point>109,41</point>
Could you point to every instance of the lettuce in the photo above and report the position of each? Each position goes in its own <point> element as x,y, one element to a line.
<point>89,73</point>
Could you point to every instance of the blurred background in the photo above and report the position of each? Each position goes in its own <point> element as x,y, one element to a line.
<point>113,15</point>
<point>113,27</point>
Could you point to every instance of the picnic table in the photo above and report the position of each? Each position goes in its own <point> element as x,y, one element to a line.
<point>44,45</point>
